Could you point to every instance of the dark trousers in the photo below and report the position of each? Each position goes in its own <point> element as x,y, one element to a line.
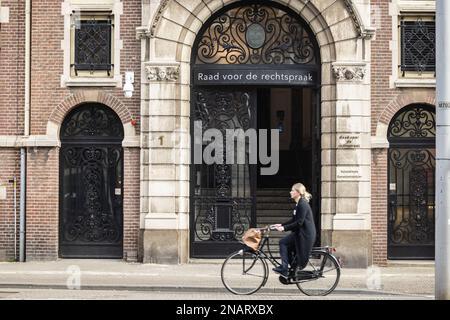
<point>287,250</point>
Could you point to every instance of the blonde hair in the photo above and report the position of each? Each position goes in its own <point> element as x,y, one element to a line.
<point>300,188</point>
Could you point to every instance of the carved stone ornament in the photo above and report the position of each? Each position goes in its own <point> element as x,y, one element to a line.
<point>349,73</point>
<point>157,17</point>
<point>142,33</point>
<point>363,31</point>
<point>162,73</point>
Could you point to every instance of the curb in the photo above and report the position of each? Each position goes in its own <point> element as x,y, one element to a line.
<point>195,289</point>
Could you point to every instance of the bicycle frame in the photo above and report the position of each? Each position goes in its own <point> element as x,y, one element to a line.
<point>270,257</point>
<point>273,260</point>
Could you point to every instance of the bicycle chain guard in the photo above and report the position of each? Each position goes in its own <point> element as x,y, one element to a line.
<point>284,280</point>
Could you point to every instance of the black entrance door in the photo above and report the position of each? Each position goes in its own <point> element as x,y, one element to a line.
<point>91,184</point>
<point>411,184</point>
<point>223,195</point>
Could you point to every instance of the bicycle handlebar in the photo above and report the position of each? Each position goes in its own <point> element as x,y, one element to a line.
<point>267,228</point>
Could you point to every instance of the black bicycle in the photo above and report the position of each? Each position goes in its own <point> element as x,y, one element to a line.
<point>246,271</point>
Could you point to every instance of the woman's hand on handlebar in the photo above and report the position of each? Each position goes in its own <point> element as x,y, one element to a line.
<point>277,227</point>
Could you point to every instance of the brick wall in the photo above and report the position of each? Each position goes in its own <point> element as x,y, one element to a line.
<point>131,203</point>
<point>386,102</point>
<point>47,60</point>
<point>12,50</point>
<point>42,204</point>
<point>381,96</point>
<point>379,206</point>
<point>381,68</point>
<point>11,118</point>
<point>47,63</point>
<point>46,96</point>
<point>8,169</point>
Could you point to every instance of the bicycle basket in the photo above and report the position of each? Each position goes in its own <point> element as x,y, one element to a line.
<point>252,238</point>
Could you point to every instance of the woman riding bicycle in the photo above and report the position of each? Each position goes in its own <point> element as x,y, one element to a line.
<point>301,240</point>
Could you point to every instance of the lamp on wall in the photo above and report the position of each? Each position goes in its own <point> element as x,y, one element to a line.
<point>128,86</point>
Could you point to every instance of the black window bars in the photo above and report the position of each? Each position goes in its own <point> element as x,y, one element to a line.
<point>93,45</point>
<point>418,46</point>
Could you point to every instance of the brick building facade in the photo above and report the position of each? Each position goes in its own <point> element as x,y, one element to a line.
<point>361,87</point>
<point>51,98</point>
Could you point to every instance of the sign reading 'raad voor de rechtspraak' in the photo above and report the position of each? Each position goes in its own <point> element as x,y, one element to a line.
<point>263,76</point>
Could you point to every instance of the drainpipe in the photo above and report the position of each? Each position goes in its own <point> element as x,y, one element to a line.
<point>22,205</point>
<point>23,150</point>
<point>15,217</point>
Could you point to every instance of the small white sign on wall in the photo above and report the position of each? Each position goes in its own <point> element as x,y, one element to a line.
<point>4,15</point>
<point>348,173</point>
<point>2,192</point>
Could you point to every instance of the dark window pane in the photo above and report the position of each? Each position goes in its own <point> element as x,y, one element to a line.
<point>418,43</point>
<point>93,45</point>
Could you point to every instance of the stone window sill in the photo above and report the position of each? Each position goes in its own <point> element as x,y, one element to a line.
<point>415,83</point>
<point>92,82</point>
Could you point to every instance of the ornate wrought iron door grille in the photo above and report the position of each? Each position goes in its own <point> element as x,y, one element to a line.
<point>93,45</point>
<point>91,184</point>
<point>418,46</point>
<point>411,184</point>
<point>223,199</point>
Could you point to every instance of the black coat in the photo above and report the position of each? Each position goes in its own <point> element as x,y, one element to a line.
<point>302,224</point>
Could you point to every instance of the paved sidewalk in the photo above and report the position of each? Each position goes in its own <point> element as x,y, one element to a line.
<point>199,276</point>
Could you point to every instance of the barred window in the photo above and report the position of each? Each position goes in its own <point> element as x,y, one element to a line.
<point>92,45</point>
<point>418,45</point>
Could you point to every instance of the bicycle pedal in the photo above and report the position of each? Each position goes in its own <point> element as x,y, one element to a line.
<point>284,280</point>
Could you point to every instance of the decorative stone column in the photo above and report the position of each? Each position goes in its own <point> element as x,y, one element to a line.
<point>165,165</point>
<point>346,159</point>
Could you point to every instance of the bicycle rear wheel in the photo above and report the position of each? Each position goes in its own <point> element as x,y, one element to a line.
<point>243,272</point>
<point>321,276</point>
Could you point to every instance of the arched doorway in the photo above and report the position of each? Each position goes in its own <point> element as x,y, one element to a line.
<point>411,183</point>
<point>91,183</point>
<point>254,65</point>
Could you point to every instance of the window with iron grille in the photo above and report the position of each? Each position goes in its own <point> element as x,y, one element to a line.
<point>418,45</point>
<point>92,41</point>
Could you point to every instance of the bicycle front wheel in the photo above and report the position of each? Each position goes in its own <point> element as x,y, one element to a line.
<point>321,276</point>
<point>243,272</point>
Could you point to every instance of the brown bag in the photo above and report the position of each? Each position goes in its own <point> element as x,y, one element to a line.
<point>252,238</point>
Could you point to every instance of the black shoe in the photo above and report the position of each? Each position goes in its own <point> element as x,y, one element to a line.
<point>281,271</point>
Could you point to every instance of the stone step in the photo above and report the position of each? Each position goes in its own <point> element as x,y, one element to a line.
<point>270,200</point>
<point>286,212</point>
<point>271,220</point>
<point>273,192</point>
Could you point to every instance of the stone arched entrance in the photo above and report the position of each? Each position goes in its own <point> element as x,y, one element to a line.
<point>255,67</point>
<point>168,40</point>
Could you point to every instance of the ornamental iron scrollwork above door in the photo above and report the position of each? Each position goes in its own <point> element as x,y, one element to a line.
<point>256,34</point>
<point>91,184</point>
<point>411,185</point>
